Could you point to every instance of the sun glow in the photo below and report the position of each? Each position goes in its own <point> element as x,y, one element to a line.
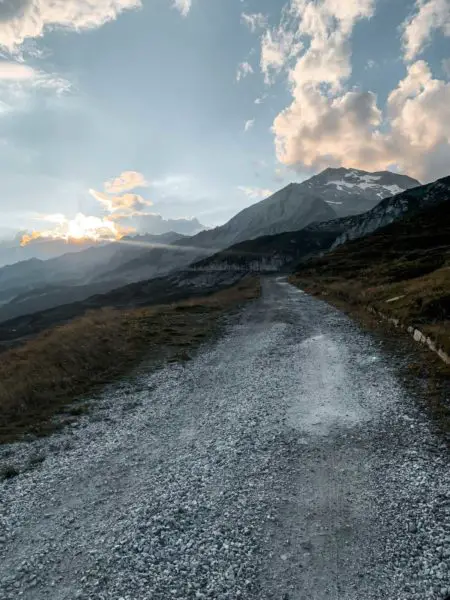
<point>80,229</point>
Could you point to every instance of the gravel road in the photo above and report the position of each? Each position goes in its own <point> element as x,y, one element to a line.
<point>286,461</point>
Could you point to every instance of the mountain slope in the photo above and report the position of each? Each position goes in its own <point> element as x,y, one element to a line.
<point>271,253</point>
<point>286,210</point>
<point>401,271</point>
<point>268,253</point>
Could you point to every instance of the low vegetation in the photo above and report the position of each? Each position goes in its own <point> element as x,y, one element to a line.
<point>402,271</point>
<point>42,377</point>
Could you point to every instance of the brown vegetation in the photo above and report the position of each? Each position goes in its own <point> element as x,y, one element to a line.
<point>401,271</point>
<point>40,378</point>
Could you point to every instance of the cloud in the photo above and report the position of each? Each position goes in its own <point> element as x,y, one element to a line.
<point>249,124</point>
<point>12,71</point>
<point>121,206</point>
<point>243,70</point>
<point>255,193</point>
<point>184,6</point>
<point>24,19</point>
<point>277,48</point>
<point>254,21</point>
<point>329,124</point>
<point>18,76</point>
<point>317,131</point>
<point>19,81</point>
<point>81,228</point>
<point>128,180</point>
<point>430,15</point>
<point>446,66</point>
<point>261,99</point>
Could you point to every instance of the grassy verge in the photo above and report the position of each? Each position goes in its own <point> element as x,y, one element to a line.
<point>42,377</point>
<point>421,302</point>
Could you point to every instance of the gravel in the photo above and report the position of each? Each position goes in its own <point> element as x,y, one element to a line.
<point>287,461</point>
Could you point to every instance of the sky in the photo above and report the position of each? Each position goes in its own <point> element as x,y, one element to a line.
<point>112,109</point>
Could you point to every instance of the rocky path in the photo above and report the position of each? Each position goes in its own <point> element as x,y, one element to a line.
<point>284,462</point>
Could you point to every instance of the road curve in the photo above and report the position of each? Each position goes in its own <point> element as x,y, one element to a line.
<point>285,461</point>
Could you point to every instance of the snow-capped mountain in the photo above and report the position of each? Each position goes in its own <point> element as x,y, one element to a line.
<point>352,191</point>
<point>392,209</point>
<point>387,211</point>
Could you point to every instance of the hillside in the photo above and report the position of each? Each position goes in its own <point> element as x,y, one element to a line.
<point>269,253</point>
<point>163,290</point>
<point>401,271</point>
<point>272,253</point>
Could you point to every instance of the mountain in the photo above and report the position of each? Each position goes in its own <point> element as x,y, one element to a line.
<point>155,224</point>
<point>12,252</point>
<point>272,253</point>
<point>172,288</point>
<point>416,244</point>
<point>352,191</point>
<point>387,211</point>
<point>291,208</point>
<point>268,253</point>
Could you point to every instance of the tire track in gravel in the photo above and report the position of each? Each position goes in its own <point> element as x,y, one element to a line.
<point>284,462</point>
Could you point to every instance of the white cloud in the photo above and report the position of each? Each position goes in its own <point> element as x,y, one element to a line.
<point>261,99</point>
<point>277,48</point>
<point>12,71</point>
<point>328,124</point>
<point>430,15</point>
<point>24,19</point>
<point>254,21</point>
<point>128,180</point>
<point>318,131</point>
<point>446,66</point>
<point>121,205</point>
<point>255,193</point>
<point>18,81</point>
<point>184,6</point>
<point>243,70</point>
<point>249,124</point>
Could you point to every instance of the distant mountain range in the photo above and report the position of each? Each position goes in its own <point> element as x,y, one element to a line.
<point>26,288</point>
<point>12,252</point>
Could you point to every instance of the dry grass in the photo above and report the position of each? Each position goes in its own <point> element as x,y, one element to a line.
<point>422,302</point>
<point>48,372</point>
<point>401,271</point>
